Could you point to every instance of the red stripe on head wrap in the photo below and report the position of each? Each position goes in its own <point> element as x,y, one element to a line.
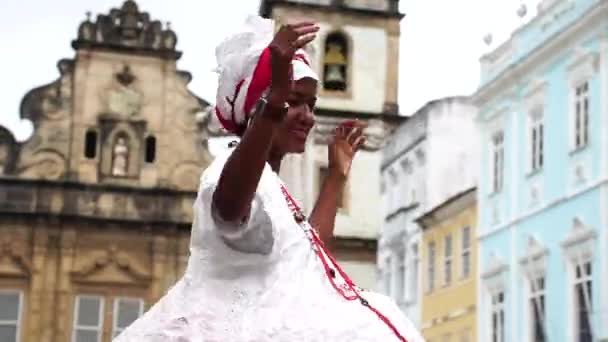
<point>227,124</point>
<point>302,58</point>
<point>260,81</point>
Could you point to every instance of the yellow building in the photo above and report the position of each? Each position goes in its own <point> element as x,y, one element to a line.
<point>449,267</point>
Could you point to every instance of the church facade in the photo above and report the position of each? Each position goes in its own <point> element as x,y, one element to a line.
<point>356,54</point>
<point>96,206</point>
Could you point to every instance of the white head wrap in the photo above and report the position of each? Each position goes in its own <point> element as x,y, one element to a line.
<point>244,71</point>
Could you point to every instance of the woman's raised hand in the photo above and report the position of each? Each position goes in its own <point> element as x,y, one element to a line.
<point>286,42</point>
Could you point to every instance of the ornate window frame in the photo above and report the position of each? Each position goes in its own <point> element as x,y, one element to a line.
<point>494,280</point>
<point>533,266</point>
<point>534,108</point>
<point>582,68</point>
<point>495,126</point>
<point>578,248</point>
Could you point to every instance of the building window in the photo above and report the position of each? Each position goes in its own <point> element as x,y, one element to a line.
<point>447,266</point>
<point>536,129</point>
<point>413,279</point>
<point>88,319</point>
<point>89,324</point>
<point>335,62</point>
<point>498,317</point>
<point>431,267</point>
<point>10,315</point>
<point>126,311</point>
<point>323,173</point>
<point>466,252</point>
<point>537,309</point>
<point>387,276</point>
<point>150,149</point>
<point>581,115</point>
<point>498,160</point>
<point>582,302</point>
<point>90,144</point>
<point>400,291</point>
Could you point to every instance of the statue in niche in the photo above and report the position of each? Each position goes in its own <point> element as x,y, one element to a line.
<point>335,63</point>
<point>123,99</point>
<point>120,158</point>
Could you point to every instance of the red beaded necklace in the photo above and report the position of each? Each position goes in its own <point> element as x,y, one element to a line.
<point>349,290</point>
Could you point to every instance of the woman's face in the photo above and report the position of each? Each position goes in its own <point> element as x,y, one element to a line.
<point>300,118</point>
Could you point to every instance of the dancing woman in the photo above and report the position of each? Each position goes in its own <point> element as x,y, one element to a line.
<point>259,269</point>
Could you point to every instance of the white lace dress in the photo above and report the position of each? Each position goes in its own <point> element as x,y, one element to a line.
<point>263,282</point>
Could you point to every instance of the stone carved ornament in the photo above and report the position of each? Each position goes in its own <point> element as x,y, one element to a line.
<point>112,257</point>
<point>8,150</point>
<point>127,28</point>
<point>122,97</point>
<point>12,259</point>
<point>44,164</point>
<point>49,108</point>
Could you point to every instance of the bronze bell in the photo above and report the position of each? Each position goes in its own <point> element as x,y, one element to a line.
<point>334,74</point>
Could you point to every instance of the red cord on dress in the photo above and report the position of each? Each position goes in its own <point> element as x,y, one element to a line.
<point>321,252</point>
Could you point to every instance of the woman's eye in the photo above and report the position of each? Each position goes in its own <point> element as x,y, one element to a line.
<point>312,105</point>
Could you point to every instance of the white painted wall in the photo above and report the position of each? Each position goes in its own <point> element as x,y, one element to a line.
<point>363,274</point>
<point>453,152</point>
<point>362,218</point>
<point>438,169</point>
<point>368,53</point>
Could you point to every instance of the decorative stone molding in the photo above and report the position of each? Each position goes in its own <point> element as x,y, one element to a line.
<point>553,46</point>
<point>535,94</point>
<point>583,65</point>
<point>534,260</point>
<point>44,164</point>
<point>112,266</point>
<point>578,244</point>
<point>495,122</point>
<point>127,29</point>
<point>13,262</point>
<point>8,151</point>
<point>494,274</point>
<point>122,97</point>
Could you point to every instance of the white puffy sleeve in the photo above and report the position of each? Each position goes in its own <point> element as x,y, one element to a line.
<point>255,234</point>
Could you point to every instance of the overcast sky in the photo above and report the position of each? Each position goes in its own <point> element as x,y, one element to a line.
<point>441,42</point>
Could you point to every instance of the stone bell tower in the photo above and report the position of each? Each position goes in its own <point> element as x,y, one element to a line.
<point>96,206</point>
<point>356,54</point>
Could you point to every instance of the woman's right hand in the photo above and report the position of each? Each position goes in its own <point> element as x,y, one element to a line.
<point>286,42</point>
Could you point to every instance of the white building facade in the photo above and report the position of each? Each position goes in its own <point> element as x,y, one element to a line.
<point>428,159</point>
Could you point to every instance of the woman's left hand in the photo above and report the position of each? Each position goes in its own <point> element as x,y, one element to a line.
<point>347,139</point>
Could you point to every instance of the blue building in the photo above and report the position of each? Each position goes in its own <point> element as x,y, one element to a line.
<point>543,192</point>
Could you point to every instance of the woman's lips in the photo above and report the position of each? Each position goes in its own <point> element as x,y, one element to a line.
<point>300,133</point>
